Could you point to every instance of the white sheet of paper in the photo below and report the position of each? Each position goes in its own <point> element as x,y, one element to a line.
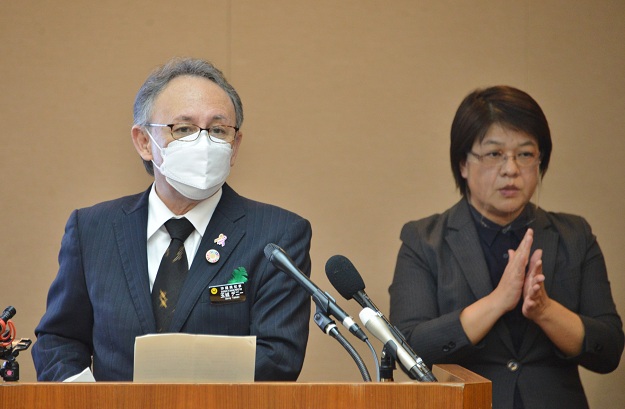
<point>183,358</point>
<point>84,376</point>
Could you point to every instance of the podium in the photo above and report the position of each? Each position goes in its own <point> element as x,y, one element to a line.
<point>458,388</point>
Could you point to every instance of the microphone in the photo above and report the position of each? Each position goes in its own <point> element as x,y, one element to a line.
<point>324,301</point>
<point>9,350</point>
<point>7,314</point>
<point>348,282</point>
<point>379,328</point>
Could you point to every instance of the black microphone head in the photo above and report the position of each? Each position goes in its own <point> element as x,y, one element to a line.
<point>269,249</point>
<point>8,313</point>
<point>344,276</point>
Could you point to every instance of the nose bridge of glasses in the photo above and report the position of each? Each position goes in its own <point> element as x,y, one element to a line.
<point>505,157</point>
<point>508,167</point>
<point>207,133</point>
<point>507,164</point>
<point>193,132</point>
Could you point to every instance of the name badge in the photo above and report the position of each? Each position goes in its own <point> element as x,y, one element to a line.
<point>227,293</point>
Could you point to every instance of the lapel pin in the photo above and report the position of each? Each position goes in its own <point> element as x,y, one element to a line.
<point>212,256</point>
<point>239,275</point>
<point>221,240</point>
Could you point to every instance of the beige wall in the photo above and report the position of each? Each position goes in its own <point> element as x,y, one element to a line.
<point>319,80</point>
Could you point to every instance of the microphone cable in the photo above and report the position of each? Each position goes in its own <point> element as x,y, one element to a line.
<point>328,326</point>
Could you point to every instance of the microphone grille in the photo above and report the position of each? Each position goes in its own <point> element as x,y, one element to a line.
<point>344,276</point>
<point>366,314</point>
<point>269,249</point>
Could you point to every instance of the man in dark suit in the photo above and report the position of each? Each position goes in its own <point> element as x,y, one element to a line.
<point>112,285</point>
<point>514,293</point>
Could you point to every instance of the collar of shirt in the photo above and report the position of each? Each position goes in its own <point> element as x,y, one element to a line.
<point>489,230</point>
<point>158,238</point>
<point>199,216</point>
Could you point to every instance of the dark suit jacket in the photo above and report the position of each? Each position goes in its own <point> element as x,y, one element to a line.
<point>441,269</point>
<point>100,299</point>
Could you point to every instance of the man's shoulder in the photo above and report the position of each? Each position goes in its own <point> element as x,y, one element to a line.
<point>253,207</point>
<point>127,203</point>
<point>263,207</point>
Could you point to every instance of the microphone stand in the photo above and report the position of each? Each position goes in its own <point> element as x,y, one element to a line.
<point>10,371</point>
<point>328,326</point>
<point>421,372</point>
<point>9,349</point>
<point>387,366</point>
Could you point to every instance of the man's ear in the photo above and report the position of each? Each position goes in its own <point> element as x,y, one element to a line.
<point>142,142</point>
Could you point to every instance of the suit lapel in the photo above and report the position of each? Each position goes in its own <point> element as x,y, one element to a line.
<point>228,211</point>
<point>465,245</point>
<point>464,242</point>
<point>131,233</point>
<point>546,238</point>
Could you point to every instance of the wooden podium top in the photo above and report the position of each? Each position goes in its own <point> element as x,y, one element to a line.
<point>457,388</point>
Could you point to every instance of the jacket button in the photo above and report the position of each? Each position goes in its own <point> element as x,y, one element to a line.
<point>451,345</point>
<point>513,366</point>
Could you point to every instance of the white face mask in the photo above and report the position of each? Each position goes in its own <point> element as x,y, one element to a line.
<point>196,169</point>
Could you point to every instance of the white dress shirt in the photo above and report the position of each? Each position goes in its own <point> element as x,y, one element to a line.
<point>158,237</point>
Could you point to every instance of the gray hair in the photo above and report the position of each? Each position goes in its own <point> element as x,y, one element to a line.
<point>160,78</point>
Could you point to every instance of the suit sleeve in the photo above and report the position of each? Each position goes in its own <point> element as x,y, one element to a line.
<point>281,311</point>
<point>604,340</point>
<point>437,336</point>
<point>63,347</point>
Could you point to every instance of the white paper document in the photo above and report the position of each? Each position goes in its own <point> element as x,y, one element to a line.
<point>84,376</point>
<point>184,358</point>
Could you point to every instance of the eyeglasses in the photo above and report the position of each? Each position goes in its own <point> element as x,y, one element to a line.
<point>189,132</point>
<point>498,158</point>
